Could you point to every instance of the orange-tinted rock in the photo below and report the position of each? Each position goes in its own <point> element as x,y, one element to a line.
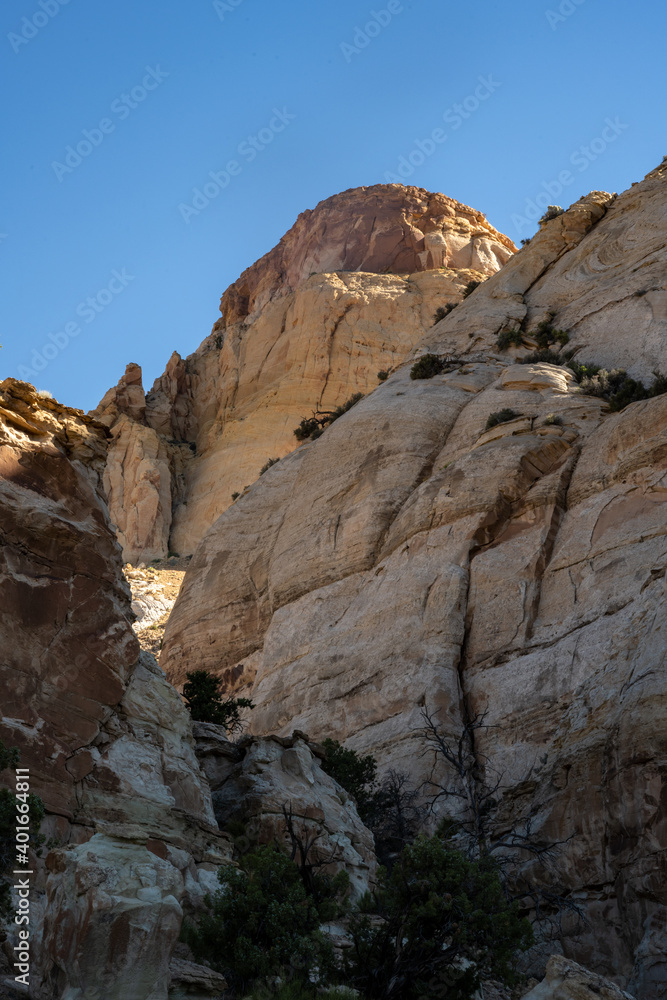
<point>348,292</point>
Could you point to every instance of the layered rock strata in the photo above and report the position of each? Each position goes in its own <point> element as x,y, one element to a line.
<point>107,740</point>
<point>348,291</point>
<point>411,558</point>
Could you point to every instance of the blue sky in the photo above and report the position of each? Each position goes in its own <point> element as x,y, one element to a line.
<point>104,261</point>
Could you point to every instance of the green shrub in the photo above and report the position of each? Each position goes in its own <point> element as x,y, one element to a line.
<point>428,366</point>
<point>445,923</point>
<point>470,288</point>
<point>356,773</point>
<point>546,355</point>
<point>615,385</point>
<point>205,703</point>
<point>383,376</point>
<point>546,335</point>
<point>235,496</point>
<point>340,410</point>
<point>552,212</point>
<point>501,417</point>
<point>262,924</point>
<point>311,427</point>
<point>306,429</point>
<point>443,311</point>
<point>267,465</point>
<point>509,338</point>
<point>618,389</point>
<point>582,371</point>
<point>553,421</point>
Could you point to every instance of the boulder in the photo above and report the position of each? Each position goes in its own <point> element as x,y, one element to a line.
<point>565,980</point>
<point>258,782</point>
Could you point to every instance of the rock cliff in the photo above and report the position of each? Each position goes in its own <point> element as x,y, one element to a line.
<point>411,557</point>
<point>107,740</point>
<point>347,292</point>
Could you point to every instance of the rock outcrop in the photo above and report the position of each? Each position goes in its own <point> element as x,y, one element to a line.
<point>256,782</point>
<point>349,291</point>
<point>410,557</point>
<point>107,740</point>
<point>565,980</point>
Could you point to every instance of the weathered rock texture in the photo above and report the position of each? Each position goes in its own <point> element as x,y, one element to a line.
<point>107,740</point>
<point>347,292</point>
<point>409,557</point>
<point>565,980</point>
<point>256,781</point>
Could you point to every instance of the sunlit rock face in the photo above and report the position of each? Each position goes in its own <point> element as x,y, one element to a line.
<point>347,292</point>
<point>412,557</point>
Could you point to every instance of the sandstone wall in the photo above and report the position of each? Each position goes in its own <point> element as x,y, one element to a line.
<point>411,558</point>
<point>107,740</point>
<point>349,291</point>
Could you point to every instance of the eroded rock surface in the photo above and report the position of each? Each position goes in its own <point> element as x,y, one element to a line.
<point>107,740</point>
<point>260,782</point>
<point>565,980</point>
<point>410,557</point>
<point>349,291</point>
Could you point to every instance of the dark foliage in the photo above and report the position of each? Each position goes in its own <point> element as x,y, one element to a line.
<point>310,428</point>
<point>616,386</point>
<point>545,356</point>
<point>267,465</point>
<point>443,311</point>
<point>442,921</point>
<point>552,212</point>
<point>546,335</point>
<point>394,814</point>
<point>262,924</point>
<point>509,338</point>
<point>307,428</point>
<point>470,288</point>
<point>203,699</point>
<point>501,417</point>
<point>428,366</point>
<point>328,892</point>
<point>475,786</point>
<point>356,773</point>
<point>383,376</point>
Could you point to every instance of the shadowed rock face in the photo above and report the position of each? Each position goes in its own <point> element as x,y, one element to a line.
<point>107,740</point>
<point>348,291</point>
<point>409,557</point>
<point>256,781</point>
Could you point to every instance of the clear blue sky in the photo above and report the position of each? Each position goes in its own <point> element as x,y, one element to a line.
<point>200,78</point>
